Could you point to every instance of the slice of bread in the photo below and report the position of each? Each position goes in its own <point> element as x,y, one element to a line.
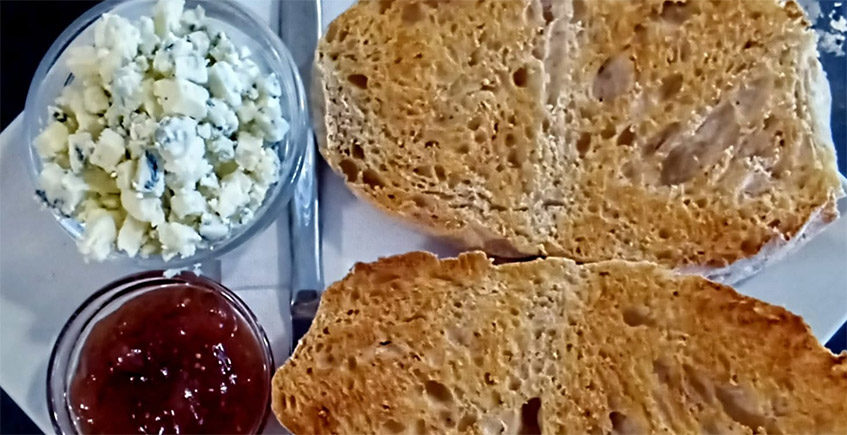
<point>413,344</point>
<point>691,134</point>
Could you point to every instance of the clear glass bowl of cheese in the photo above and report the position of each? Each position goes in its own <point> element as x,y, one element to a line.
<point>264,48</point>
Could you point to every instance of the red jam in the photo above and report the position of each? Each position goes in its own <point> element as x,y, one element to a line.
<point>179,359</point>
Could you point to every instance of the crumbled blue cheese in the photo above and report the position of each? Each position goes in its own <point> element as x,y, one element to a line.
<point>222,117</point>
<point>80,146</point>
<point>200,41</point>
<point>192,68</point>
<point>269,119</point>
<point>100,234</point>
<point>148,40</point>
<point>131,236</point>
<point>149,175</point>
<point>249,151</point>
<point>52,140</point>
<point>166,15</point>
<point>109,151</point>
<point>181,97</point>
<point>179,239</point>
<point>126,88</point>
<point>82,61</point>
<point>234,194</point>
<point>164,141</point>
<point>225,83</point>
<point>188,203</point>
<point>143,208</point>
<point>61,189</point>
<point>95,99</point>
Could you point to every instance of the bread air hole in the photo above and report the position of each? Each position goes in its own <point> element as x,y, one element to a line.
<point>514,158</point>
<point>520,77</point>
<point>622,424</point>
<point>741,406</point>
<point>662,371</point>
<point>530,417</point>
<point>608,132</point>
<point>424,171</point>
<point>583,144</point>
<point>474,123</point>
<point>349,169</point>
<point>447,419</point>
<point>626,137</point>
<point>420,427</point>
<point>384,5</point>
<point>394,426</point>
<point>547,11</point>
<point>637,315</point>
<point>466,422</point>
<point>578,10</point>
<point>439,172</point>
<point>749,246</point>
<point>671,85</point>
<point>438,392</point>
<point>358,80</point>
<point>675,12</point>
<point>412,13</point>
<point>372,179</point>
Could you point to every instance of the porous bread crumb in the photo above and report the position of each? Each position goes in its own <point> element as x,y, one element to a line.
<point>413,344</point>
<point>684,133</point>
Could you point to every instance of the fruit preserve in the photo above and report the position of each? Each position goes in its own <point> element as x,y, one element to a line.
<point>175,359</point>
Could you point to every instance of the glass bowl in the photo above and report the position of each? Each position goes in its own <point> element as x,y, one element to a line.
<point>66,351</point>
<point>244,29</point>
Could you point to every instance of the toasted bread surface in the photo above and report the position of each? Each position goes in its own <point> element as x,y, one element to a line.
<point>688,133</point>
<point>413,344</point>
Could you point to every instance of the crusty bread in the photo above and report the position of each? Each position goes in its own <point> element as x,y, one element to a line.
<point>690,134</point>
<point>413,344</point>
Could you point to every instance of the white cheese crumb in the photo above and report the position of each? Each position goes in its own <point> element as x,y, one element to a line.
<point>52,140</point>
<point>131,236</point>
<point>109,150</point>
<point>188,203</point>
<point>181,97</point>
<point>177,238</point>
<point>144,209</point>
<point>99,236</point>
<point>224,83</point>
<point>166,15</point>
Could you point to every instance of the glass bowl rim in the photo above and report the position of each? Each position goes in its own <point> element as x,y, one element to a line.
<point>297,134</point>
<point>140,283</point>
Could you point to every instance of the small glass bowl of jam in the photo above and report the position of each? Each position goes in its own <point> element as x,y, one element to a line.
<point>157,354</point>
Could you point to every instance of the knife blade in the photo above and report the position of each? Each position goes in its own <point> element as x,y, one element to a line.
<point>299,28</point>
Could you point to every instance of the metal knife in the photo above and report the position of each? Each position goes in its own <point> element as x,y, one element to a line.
<point>299,28</point>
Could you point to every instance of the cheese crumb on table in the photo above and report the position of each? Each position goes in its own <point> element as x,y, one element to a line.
<point>164,142</point>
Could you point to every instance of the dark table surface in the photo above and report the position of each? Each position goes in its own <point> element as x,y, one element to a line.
<point>28,27</point>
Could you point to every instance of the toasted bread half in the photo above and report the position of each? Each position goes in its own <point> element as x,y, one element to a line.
<point>688,133</point>
<point>413,344</point>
